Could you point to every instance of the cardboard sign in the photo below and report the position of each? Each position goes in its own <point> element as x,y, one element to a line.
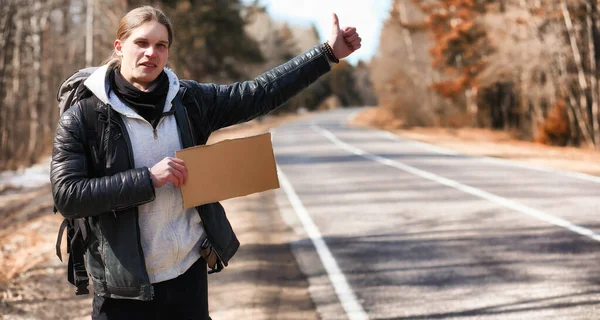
<point>228,169</point>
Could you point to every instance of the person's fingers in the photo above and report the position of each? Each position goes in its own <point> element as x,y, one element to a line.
<point>179,165</point>
<point>180,161</point>
<point>356,41</point>
<point>336,23</point>
<point>348,30</point>
<point>178,176</point>
<point>351,37</point>
<point>184,173</point>
<point>172,179</point>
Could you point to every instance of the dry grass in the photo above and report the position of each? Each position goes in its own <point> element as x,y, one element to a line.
<point>23,222</point>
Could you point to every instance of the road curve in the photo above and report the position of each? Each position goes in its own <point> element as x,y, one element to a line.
<point>390,228</point>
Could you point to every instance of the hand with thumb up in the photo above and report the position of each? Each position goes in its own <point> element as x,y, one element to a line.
<point>343,41</point>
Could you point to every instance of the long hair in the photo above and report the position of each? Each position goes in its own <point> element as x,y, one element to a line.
<point>136,18</point>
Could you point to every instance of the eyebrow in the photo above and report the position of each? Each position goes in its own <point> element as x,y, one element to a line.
<point>166,42</point>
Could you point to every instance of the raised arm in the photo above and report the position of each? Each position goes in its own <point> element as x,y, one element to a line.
<point>243,101</point>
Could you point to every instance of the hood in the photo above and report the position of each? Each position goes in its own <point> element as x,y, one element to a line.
<point>98,83</point>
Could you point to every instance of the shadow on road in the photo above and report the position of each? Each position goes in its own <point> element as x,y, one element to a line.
<point>503,309</point>
<point>473,271</point>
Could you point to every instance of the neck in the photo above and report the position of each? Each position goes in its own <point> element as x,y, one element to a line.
<point>142,86</point>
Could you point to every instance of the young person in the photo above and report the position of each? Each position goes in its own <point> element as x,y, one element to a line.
<point>144,249</point>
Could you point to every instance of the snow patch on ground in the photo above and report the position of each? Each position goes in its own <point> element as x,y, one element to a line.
<point>32,177</point>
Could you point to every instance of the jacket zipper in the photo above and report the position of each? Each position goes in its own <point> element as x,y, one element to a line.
<point>118,121</point>
<point>156,129</point>
<point>187,116</point>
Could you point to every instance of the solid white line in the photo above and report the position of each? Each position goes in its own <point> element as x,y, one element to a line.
<point>353,308</point>
<point>500,161</point>
<point>462,187</point>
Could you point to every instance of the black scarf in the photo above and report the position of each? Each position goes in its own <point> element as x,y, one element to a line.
<point>148,104</point>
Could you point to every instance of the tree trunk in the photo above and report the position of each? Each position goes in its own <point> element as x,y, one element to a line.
<point>12,93</point>
<point>406,36</point>
<point>567,93</point>
<point>36,80</point>
<point>591,23</point>
<point>581,112</point>
<point>7,11</point>
<point>89,36</point>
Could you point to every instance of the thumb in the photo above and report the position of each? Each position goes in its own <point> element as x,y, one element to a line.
<point>336,23</point>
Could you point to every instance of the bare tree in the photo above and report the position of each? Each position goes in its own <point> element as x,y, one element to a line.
<point>591,24</point>
<point>581,111</point>
<point>41,46</point>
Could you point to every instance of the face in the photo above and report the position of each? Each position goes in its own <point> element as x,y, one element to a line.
<point>144,53</point>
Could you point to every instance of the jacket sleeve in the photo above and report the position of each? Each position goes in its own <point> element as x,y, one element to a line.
<point>242,101</point>
<point>75,194</point>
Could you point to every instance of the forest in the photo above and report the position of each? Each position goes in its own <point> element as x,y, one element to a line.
<point>528,67</point>
<point>221,41</point>
<point>525,66</point>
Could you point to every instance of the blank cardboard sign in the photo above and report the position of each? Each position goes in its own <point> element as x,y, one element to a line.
<point>228,169</point>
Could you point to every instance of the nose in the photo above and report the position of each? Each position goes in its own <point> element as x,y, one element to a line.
<point>150,51</point>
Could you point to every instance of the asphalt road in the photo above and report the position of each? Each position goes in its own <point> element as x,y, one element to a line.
<point>393,229</point>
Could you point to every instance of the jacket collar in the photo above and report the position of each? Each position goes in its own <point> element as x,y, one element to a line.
<point>98,83</point>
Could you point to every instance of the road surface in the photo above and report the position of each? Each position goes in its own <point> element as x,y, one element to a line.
<point>388,228</point>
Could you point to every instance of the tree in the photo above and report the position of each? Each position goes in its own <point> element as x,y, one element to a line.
<point>41,46</point>
<point>210,42</point>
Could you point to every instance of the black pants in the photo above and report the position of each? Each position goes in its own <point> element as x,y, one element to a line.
<point>185,297</point>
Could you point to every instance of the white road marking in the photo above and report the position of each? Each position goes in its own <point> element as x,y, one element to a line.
<point>353,308</point>
<point>459,186</point>
<point>505,162</point>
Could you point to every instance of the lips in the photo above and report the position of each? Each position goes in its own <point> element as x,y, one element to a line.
<point>148,64</point>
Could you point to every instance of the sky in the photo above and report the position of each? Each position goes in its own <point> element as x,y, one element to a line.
<point>366,15</point>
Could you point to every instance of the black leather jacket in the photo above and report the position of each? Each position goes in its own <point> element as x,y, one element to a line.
<point>110,201</point>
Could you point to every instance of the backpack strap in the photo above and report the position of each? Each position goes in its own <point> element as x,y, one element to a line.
<point>90,120</point>
<point>77,229</point>
<point>76,272</point>
<point>61,231</point>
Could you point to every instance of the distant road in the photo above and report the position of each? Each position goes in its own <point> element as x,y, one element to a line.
<point>392,229</point>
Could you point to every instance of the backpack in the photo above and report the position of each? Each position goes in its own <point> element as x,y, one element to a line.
<point>70,92</point>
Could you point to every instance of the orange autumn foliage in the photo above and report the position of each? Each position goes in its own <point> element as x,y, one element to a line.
<point>555,128</point>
